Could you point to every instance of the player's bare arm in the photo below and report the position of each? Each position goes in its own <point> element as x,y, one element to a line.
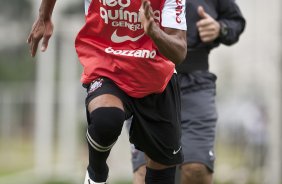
<point>170,42</point>
<point>42,27</point>
<point>208,27</point>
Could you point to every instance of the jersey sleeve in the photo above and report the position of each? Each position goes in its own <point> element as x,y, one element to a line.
<point>173,14</point>
<point>86,6</point>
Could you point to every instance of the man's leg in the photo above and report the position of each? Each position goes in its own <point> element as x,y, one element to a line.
<point>150,171</point>
<point>139,175</point>
<point>103,131</point>
<point>157,173</point>
<point>198,124</point>
<point>190,173</point>
<point>195,173</point>
<point>155,116</point>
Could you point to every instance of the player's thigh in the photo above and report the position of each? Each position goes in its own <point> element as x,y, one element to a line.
<point>156,165</point>
<point>155,127</point>
<point>105,100</point>
<point>103,92</point>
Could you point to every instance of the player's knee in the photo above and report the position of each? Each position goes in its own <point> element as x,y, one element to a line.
<point>105,126</point>
<point>194,170</point>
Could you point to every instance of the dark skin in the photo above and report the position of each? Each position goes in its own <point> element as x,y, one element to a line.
<point>42,28</point>
<point>170,42</point>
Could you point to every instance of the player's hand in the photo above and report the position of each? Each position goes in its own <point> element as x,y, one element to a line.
<point>208,28</point>
<point>147,17</point>
<point>40,29</point>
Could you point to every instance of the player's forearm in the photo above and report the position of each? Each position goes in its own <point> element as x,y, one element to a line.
<point>171,43</point>
<point>46,9</point>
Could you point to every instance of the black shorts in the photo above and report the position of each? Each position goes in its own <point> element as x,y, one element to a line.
<point>199,116</point>
<point>156,119</point>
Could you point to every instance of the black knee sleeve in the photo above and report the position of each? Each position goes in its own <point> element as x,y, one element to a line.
<point>164,176</point>
<point>104,128</point>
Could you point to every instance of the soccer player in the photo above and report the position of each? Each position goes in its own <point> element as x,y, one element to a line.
<point>209,24</point>
<point>128,50</point>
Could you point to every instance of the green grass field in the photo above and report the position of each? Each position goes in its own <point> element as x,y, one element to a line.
<point>16,156</point>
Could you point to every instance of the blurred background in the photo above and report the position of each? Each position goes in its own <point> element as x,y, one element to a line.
<point>42,116</point>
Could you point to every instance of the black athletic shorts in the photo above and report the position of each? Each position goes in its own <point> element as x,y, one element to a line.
<point>156,119</point>
<point>199,116</point>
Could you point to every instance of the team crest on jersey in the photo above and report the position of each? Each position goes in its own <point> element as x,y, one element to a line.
<point>95,85</point>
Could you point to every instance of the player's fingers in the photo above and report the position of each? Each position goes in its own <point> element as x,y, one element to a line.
<point>142,5</point>
<point>47,35</point>
<point>210,29</point>
<point>30,44</point>
<point>33,47</point>
<point>146,6</point>
<point>45,42</point>
<point>204,23</point>
<point>207,28</point>
<point>206,39</point>
<point>33,43</point>
<point>207,36</point>
<point>29,38</point>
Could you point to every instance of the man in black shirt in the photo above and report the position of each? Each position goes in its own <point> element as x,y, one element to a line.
<point>210,23</point>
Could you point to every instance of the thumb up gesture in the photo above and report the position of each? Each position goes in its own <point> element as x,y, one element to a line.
<point>208,27</point>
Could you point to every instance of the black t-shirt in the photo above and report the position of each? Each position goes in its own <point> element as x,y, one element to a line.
<point>225,11</point>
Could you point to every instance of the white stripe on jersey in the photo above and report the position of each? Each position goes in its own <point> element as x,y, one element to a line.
<point>174,10</point>
<point>86,6</point>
